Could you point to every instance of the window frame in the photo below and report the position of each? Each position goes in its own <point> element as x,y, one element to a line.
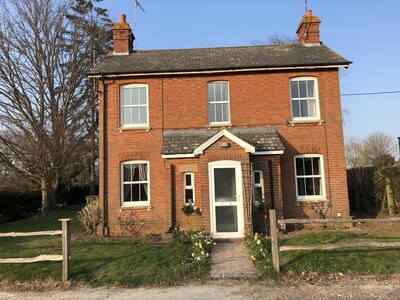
<point>124,125</point>
<point>303,198</point>
<point>122,183</point>
<point>228,121</point>
<point>261,184</point>
<point>317,110</point>
<point>188,187</point>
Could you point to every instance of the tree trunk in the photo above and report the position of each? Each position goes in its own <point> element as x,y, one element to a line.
<point>45,199</point>
<point>389,194</point>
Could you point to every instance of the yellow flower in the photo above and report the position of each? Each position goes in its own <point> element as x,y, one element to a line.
<point>255,237</point>
<point>202,252</point>
<point>253,258</point>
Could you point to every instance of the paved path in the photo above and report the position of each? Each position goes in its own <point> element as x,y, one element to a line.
<point>231,260</point>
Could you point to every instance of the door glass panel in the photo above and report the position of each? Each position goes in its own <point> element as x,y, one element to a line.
<point>225,185</point>
<point>226,218</point>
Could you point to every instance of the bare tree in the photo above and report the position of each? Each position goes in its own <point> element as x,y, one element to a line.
<point>277,39</point>
<point>44,114</point>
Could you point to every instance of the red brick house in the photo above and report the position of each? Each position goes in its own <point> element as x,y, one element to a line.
<point>222,128</point>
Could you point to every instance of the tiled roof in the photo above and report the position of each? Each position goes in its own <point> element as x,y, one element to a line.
<point>228,58</point>
<point>185,141</point>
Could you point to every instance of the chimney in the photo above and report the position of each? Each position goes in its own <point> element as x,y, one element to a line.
<point>308,29</point>
<point>122,36</point>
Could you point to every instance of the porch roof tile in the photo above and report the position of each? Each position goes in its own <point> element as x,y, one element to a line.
<point>186,140</point>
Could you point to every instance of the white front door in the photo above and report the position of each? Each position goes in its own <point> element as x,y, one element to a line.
<point>226,199</point>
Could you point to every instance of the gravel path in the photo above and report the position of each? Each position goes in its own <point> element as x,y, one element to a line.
<point>345,288</point>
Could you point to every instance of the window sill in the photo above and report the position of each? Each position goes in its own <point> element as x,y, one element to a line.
<point>219,125</point>
<point>147,128</point>
<point>316,200</point>
<point>293,122</point>
<point>136,206</point>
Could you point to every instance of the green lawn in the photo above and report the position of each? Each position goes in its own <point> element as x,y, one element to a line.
<point>102,261</point>
<point>358,261</point>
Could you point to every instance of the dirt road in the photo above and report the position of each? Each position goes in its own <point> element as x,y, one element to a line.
<point>345,288</point>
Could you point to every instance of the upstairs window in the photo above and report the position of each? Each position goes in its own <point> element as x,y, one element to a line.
<point>134,106</point>
<point>188,187</point>
<point>304,98</point>
<point>135,183</point>
<point>218,102</point>
<point>309,177</point>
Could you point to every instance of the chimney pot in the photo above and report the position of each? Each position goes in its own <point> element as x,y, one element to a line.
<point>309,13</point>
<point>122,18</point>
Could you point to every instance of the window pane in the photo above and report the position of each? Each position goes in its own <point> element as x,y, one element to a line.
<point>143,192</point>
<point>304,108</point>
<point>126,96</point>
<point>188,179</point>
<point>303,89</point>
<point>312,108</point>
<point>225,112</point>
<point>210,91</point>
<point>258,194</point>
<point>142,115</point>
<point>257,178</point>
<point>299,166</point>
<point>308,166</point>
<point>225,91</point>
<point>134,115</point>
<point>135,192</point>
<point>142,95</point>
<point>310,89</point>
<point>317,186</point>
<point>211,113</point>
<point>225,184</point>
<point>296,108</point>
<point>142,172</point>
<point>189,196</point>
<point>127,115</point>
<point>134,96</point>
<point>294,89</point>
<point>309,186</point>
<point>135,172</point>
<point>127,192</point>
<point>300,187</point>
<point>127,172</point>
<point>218,112</point>
<point>218,92</point>
<point>226,218</point>
<point>316,166</point>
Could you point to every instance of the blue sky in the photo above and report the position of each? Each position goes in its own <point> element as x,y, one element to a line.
<point>363,31</point>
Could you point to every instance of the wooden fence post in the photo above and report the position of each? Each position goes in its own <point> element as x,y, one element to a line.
<point>274,240</point>
<point>66,248</point>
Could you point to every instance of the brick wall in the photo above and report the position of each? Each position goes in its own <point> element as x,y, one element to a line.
<point>256,99</point>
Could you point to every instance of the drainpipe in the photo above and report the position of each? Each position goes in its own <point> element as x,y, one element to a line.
<point>173,202</point>
<point>399,145</point>
<point>106,230</point>
<point>271,184</point>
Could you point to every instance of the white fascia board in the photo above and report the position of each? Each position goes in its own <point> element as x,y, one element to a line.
<point>275,152</point>
<point>200,149</point>
<point>216,71</point>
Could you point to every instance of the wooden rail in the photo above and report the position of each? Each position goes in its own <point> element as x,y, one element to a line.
<point>65,257</point>
<point>275,249</point>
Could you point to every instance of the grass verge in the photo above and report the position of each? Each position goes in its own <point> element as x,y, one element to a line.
<point>102,261</point>
<point>357,261</point>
